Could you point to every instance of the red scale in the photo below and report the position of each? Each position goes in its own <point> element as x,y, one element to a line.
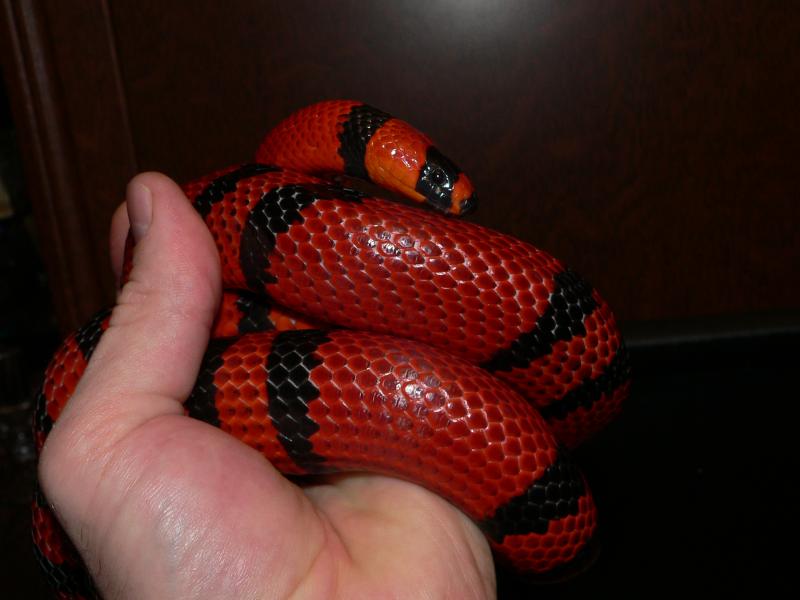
<point>451,294</point>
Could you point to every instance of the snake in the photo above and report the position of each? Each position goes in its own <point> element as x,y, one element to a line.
<point>358,333</point>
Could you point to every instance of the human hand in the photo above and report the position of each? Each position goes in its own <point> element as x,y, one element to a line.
<point>164,506</point>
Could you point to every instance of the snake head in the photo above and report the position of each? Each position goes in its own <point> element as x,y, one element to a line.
<point>444,186</point>
<point>400,158</point>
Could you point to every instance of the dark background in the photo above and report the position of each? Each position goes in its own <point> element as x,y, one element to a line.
<point>650,145</point>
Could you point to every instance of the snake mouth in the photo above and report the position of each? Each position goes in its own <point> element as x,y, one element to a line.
<point>468,205</point>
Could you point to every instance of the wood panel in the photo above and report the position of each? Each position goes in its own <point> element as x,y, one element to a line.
<point>60,70</point>
<point>649,145</point>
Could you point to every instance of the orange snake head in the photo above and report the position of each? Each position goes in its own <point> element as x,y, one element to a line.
<point>402,159</point>
<point>443,184</point>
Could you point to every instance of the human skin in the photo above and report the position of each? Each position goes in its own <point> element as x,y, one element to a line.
<point>164,506</point>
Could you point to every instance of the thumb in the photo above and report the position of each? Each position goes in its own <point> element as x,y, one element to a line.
<point>147,360</point>
<point>146,494</point>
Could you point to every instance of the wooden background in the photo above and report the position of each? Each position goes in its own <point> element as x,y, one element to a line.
<point>653,146</point>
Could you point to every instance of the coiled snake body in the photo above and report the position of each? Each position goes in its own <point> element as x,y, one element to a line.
<point>506,356</point>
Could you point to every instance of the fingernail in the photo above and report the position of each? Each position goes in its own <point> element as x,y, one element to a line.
<point>140,209</point>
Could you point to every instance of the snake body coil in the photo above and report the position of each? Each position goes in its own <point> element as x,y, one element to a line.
<point>356,333</point>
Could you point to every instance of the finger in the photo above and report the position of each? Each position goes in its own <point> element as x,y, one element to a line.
<point>142,490</point>
<point>146,362</point>
<point>371,509</point>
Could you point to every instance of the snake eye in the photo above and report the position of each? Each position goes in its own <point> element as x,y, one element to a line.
<point>436,180</point>
<point>439,177</point>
